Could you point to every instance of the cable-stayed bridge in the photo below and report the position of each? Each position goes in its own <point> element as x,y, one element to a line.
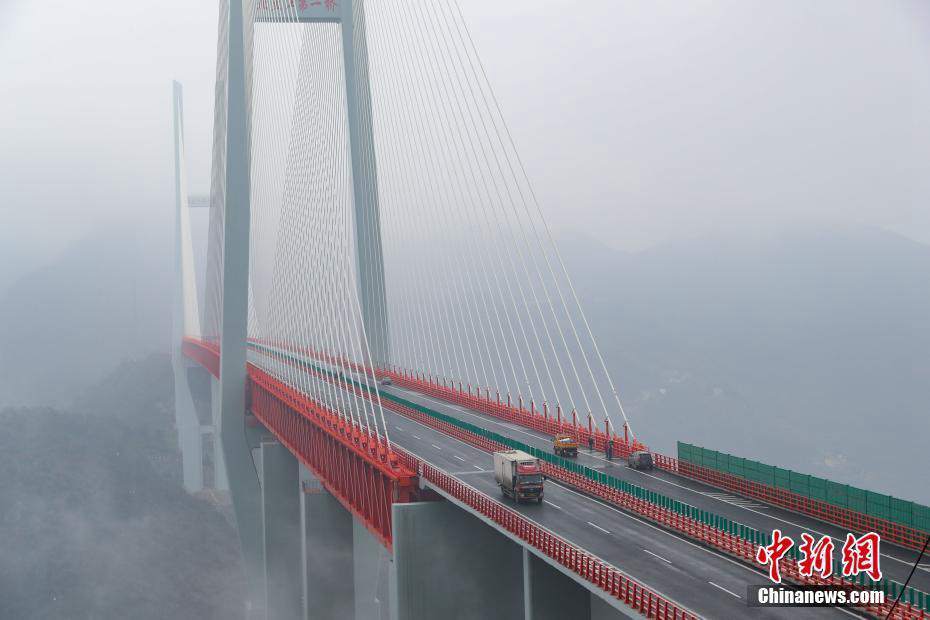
<point>380,306</point>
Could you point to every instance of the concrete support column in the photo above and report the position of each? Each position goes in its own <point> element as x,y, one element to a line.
<point>552,594</point>
<point>327,537</point>
<point>220,479</point>
<point>527,585</point>
<point>448,564</point>
<point>240,469</point>
<point>306,480</point>
<point>188,427</point>
<point>372,575</point>
<point>280,531</point>
<point>184,315</point>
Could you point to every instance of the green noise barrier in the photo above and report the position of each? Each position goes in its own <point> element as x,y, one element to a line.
<point>878,505</point>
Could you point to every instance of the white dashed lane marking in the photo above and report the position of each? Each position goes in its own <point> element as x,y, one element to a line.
<point>656,555</point>
<point>730,592</point>
<point>598,527</point>
<point>733,499</point>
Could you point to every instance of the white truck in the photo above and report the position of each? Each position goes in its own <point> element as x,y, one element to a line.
<point>518,475</point>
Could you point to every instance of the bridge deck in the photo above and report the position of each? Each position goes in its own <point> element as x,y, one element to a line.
<point>896,561</point>
<point>693,576</point>
<point>678,569</point>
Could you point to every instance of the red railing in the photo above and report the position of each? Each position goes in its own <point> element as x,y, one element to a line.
<point>544,419</point>
<point>358,468</point>
<point>207,354</point>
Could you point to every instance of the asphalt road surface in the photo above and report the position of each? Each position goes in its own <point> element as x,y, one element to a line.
<point>700,579</point>
<point>896,562</point>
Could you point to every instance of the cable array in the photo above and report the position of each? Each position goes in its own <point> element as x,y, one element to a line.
<point>304,293</point>
<point>212,306</point>
<point>478,293</point>
<point>423,248</point>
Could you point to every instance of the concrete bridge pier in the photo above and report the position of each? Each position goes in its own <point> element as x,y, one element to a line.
<point>345,570</point>
<point>220,479</point>
<point>551,594</point>
<point>280,531</point>
<point>322,563</point>
<point>448,563</point>
<point>187,424</point>
<point>548,594</point>
<point>327,545</point>
<point>373,574</point>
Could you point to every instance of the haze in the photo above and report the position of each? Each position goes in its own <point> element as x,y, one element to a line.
<point>639,122</point>
<point>740,189</point>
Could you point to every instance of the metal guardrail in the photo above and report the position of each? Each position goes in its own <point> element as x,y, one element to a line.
<point>544,420</point>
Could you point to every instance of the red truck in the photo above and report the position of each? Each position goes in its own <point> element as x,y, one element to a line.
<point>518,475</point>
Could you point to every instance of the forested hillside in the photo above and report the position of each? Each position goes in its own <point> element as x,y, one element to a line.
<point>93,518</point>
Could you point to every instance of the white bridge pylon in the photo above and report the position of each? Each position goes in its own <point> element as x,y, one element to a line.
<point>369,263</point>
<point>185,314</point>
<point>295,249</point>
<point>185,250</point>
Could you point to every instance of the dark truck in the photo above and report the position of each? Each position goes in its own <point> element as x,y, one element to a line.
<point>640,459</point>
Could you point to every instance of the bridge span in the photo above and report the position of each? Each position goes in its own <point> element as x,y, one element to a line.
<point>369,212</point>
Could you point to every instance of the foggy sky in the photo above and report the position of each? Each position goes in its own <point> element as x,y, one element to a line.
<point>639,122</point>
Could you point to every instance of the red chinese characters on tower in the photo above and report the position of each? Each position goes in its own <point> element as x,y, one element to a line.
<point>817,557</point>
<point>860,555</point>
<point>771,554</point>
<point>303,5</point>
